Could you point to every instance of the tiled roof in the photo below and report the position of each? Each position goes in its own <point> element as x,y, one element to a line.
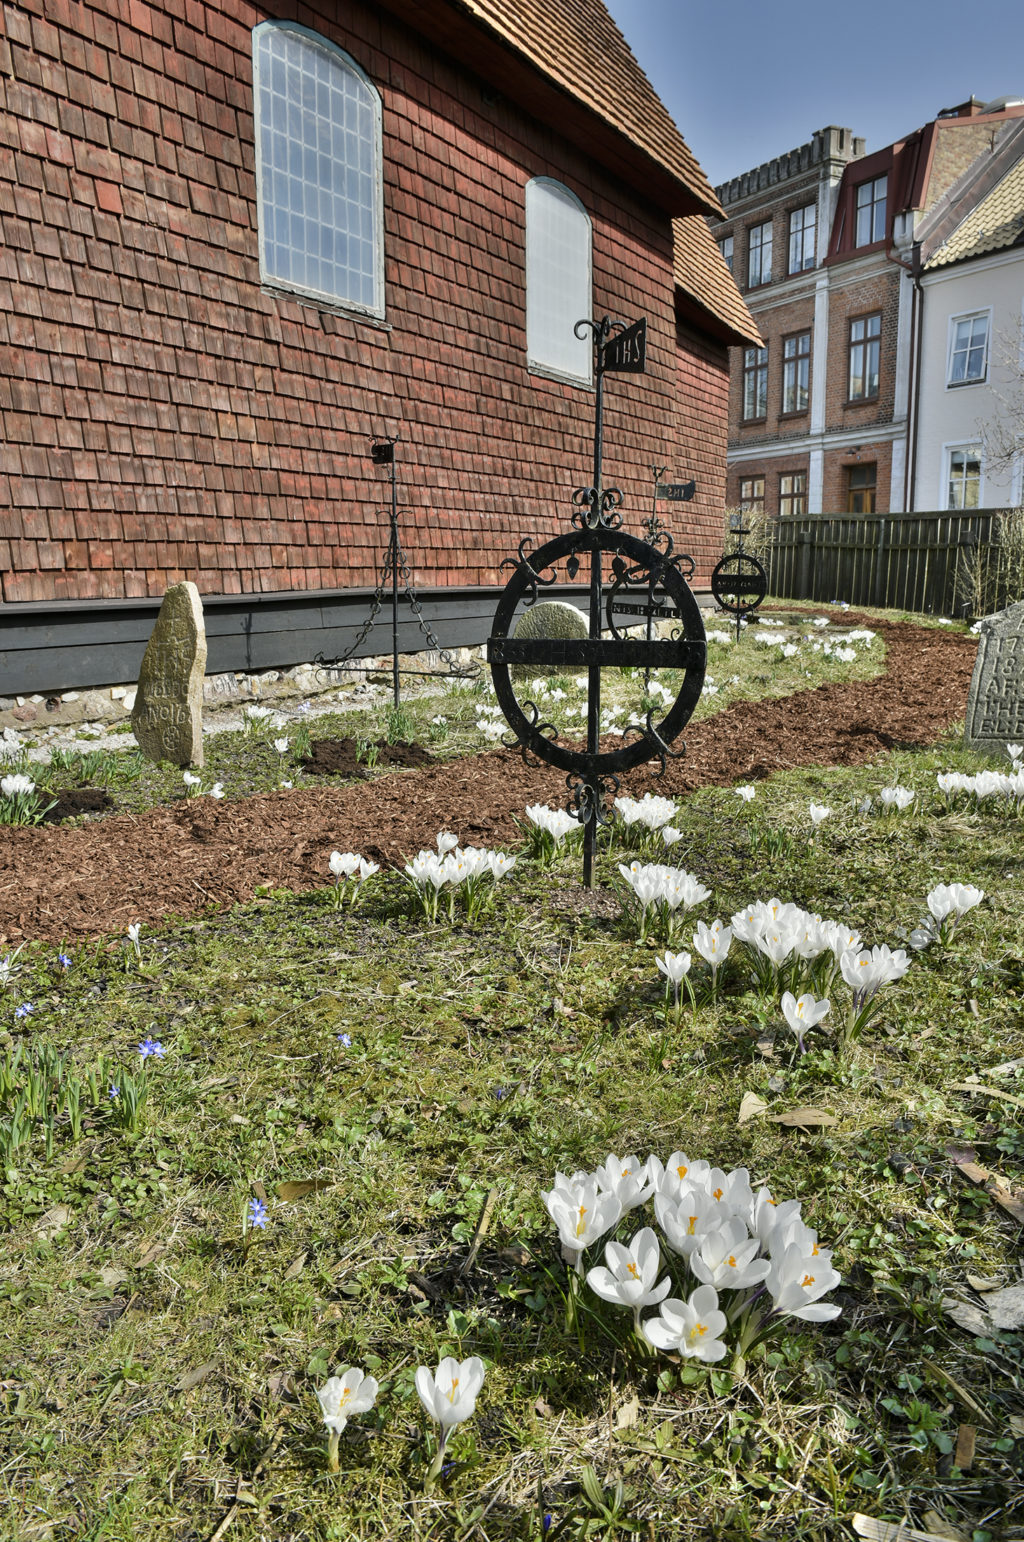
<point>701,273</point>
<point>996,223</point>
<point>578,46</point>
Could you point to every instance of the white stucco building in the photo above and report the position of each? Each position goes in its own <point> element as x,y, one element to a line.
<point>969,374</point>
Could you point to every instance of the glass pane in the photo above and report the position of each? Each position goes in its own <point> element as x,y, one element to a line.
<point>558,280</point>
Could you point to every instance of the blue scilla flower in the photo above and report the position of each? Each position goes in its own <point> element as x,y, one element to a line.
<point>64,960</point>
<point>114,1093</point>
<point>257,1213</point>
<point>151,1047</point>
<point>345,1040</point>
<point>24,1010</point>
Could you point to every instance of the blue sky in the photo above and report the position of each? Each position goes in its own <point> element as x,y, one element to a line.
<point>746,81</point>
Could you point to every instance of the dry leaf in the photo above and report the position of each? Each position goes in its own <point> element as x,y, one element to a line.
<point>54,1221</point>
<point>1006,1308</point>
<point>750,1106</point>
<point>544,1409</point>
<point>804,1118</point>
<point>888,1531</point>
<point>151,1252</point>
<point>627,1413</point>
<point>988,1092</point>
<point>111,1276</point>
<point>973,1319</point>
<point>976,1282</point>
<point>301,1187</point>
<point>965,1160</point>
<point>190,1379</point>
<point>765,1046</point>
<point>965,1438</point>
<point>1016,1422</point>
<point>938,1524</point>
<point>281,1385</point>
<point>296,1267</point>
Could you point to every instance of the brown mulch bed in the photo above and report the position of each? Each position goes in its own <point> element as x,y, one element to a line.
<point>64,883</point>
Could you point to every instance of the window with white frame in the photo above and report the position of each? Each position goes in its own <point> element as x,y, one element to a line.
<point>319,183</point>
<point>759,255</point>
<point>963,476</point>
<point>968,349</point>
<point>558,281</point>
<point>801,238</point>
<point>870,205</point>
<point>725,246</point>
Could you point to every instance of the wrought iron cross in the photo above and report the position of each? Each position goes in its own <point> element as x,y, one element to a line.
<point>638,567</point>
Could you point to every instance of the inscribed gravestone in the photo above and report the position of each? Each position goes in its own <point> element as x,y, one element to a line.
<point>995,702</point>
<point>167,718</point>
<point>551,618</point>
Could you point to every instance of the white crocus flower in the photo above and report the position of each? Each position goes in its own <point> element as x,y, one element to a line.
<point>449,1396</point>
<point>133,937</point>
<point>896,797</point>
<point>818,812</point>
<point>951,901</point>
<point>796,1280</point>
<point>865,973</point>
<point>582,1214</point>
<point>343,863</point>
<point>747,793</point>
<point>628,1179</point>
<point>802,1014</point>
<point>16,785</point>
<point>217,790</point>
<point>631,1276</point>
<point>677,1172</point>
<point>281,746</point>
<point>367,869</point>
<point>691,1328</point>
<point>727,1258</point>
<point>341,1398</point>
<point>670,835</point>
<point>686,1217</point>
<point>675,967</point>
<point>713,943</point>
<point>190,779</point>
<point>1015,751</point>
<point>446,842</point>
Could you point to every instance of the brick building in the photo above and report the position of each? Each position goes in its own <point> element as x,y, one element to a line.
<point>238,241</point>
<point>821,242</point>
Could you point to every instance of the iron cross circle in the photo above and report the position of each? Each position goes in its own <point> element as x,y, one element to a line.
<point>668,597</point>
<point>739,583</point>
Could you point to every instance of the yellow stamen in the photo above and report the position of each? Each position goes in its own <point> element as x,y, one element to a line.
<point>732,1262</point>
<point>682,1171</point>
<point>718,1193</point>
<point>692,1226</point>
<point>697,1332</point>
<point>634,1271</point>
<point>581,1224</point>
<point>451,1395</point>
<point>808,1279</point>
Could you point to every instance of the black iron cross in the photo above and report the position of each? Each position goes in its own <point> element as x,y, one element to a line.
<point>638,567</point>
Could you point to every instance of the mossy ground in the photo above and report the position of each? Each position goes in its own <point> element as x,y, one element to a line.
<point>161,1360</point>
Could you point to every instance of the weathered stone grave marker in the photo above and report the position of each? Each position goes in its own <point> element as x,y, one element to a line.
<point>995,702</point>
<point>553,619</point>
<point>167,719</point>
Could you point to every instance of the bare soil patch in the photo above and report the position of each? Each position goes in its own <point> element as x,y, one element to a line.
<point>58,883</point>
<point>69,802</point>
<point>340,757</point>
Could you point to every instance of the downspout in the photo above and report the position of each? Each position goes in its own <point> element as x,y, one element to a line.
<point>914,268</point>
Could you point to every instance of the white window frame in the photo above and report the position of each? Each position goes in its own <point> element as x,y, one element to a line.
<point>726,246</point>
<point>765,254</point>
<point>577,293</point>
<point>805,234</point>
<point>948,451</point>
<point>983,312</point>
<point>285,281</point>
<point>872,205</point>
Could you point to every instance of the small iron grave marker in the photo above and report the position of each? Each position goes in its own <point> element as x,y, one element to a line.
<point>995,702</point>
<point>648,583</point>
<point>739,582</point>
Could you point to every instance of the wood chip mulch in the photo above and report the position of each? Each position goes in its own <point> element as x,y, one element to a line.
<point>60,884</point>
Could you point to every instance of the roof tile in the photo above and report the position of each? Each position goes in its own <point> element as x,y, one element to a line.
<point>996,224</point>
<point>701,273</point>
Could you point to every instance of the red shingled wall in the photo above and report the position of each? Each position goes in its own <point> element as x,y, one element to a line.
<point>163,417</point>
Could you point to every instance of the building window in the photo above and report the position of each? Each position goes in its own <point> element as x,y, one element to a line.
<point>725,246</point>
<point>558,281</point>
<point>759,255</point>
<point>964,477</point>
<point>319,184</point>
<point>801,238</point>
<point>870,210</point>
<point>793,492</point>
<point>796,372</point>
<point>865,345</point>
<point>968,349</point>
<point>755,383</point>
<point>752,495</point>
<point>861,482</point>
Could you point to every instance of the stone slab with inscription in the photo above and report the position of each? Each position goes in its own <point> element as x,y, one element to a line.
<point>167,718</point>
<point>995,702</point>
<point>551,618</point>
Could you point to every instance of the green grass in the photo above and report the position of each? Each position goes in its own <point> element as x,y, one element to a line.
<point>161,1361</point>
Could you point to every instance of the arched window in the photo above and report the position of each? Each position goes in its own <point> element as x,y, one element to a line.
<point>558,281</point>
<point>319,194</point>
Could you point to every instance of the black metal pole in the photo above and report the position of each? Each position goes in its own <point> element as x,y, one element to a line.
<point>394,586</point>
<point>594,669</point>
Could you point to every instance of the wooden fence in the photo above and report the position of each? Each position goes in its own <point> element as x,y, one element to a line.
<point>894,561</point>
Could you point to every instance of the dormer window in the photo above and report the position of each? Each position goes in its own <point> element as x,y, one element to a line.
<point>870,211</point>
